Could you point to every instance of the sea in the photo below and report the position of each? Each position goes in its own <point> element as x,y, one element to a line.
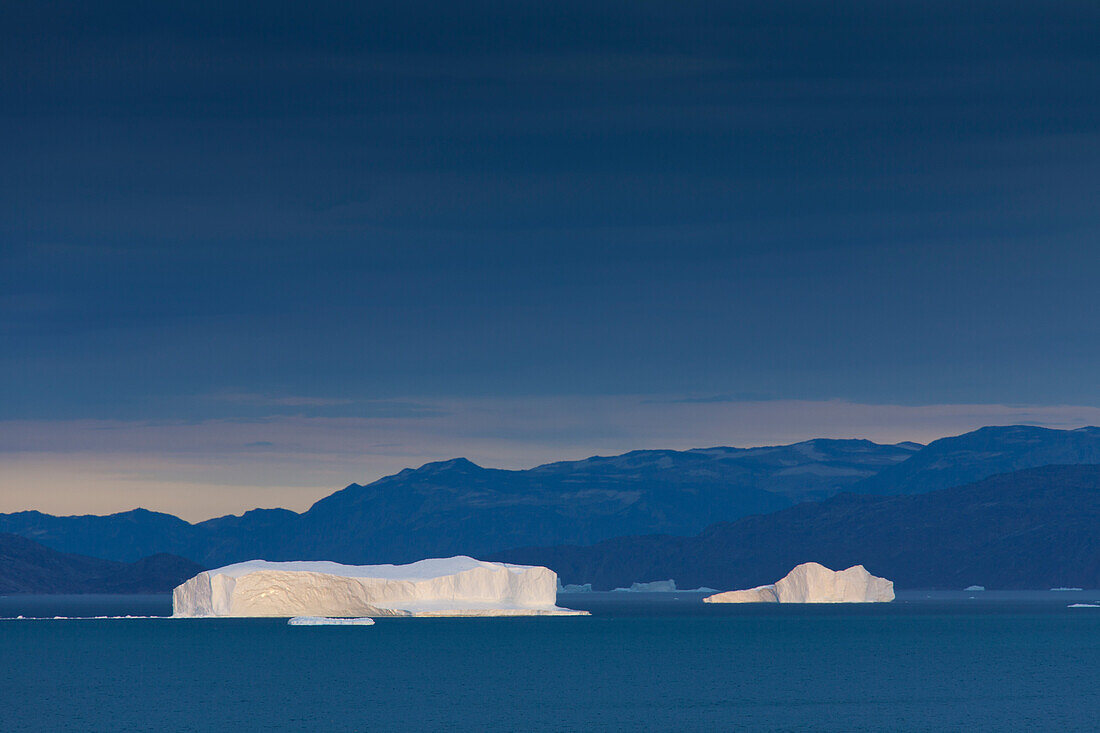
<point>641,661</point>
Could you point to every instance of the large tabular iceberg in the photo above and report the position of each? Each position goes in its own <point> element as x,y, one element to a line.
<point>457,586</point>
<point>814,583</point>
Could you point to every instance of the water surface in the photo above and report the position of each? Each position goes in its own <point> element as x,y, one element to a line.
<point>641,661</point>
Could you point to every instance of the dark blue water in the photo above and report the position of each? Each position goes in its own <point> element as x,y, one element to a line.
<point>637,663</point>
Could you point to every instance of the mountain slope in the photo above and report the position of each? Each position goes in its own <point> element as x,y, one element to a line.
<point>1036,528</point>
<point>456,507</point>
<point>972,456</point>
<point>125,537</point>
<point>29,567</point>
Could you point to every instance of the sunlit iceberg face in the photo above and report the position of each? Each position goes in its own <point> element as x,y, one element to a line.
<point>457,586</point>
<point>812,582</point>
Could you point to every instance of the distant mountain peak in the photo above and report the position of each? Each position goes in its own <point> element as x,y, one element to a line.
<point>275,512</point>
<point>987,451</point>
<point>453,464</point>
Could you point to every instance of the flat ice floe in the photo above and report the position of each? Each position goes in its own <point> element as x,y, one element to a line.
<point>812,582</point>
<point>326,621</point>
<point>457,586</point>
<point>79,618</point>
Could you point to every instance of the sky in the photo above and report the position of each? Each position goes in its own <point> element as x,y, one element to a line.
<point>250,253</point>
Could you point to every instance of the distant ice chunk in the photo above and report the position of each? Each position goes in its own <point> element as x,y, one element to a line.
<point>329,621</point>
<point>79,618</point>
<point>812,582</point>
<point>457,586</point>
<point>575,588</point>
<point>1083,605</point>
<point>1065,589</point>
<point>974,587</point>
<point>655,586</point>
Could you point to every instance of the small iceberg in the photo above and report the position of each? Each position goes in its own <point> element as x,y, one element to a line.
<point>1057,590</point>
<point>327,621</point>
<point>1083,605</point>
<point>812,582</point>
<point>974,587</point>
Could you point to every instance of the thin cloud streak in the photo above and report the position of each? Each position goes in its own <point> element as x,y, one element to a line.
<point>207,468</point>
<point>251,398</point>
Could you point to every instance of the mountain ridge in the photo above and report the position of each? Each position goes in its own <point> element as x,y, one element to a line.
<point>451,507</point>
<point>457,507</point>
<point>27,566</point>
<point>1029,529</point>
<point>960,459</point>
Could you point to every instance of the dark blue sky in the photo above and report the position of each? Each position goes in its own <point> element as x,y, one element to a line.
<point>228,210</point>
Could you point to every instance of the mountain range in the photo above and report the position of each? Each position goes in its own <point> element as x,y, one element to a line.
<point>1030,529</point>
<point>456,507</point>
<point>29,567</point>
<point>962,459</point>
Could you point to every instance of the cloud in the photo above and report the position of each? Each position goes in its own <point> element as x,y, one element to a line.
<point>739,397</point>
<point>255,403</point>
<point>264,400</point>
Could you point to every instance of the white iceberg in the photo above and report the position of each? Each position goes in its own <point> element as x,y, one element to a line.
<point>812,582</point>
<point>457,586</point>
<point>81,618</point>
<point>654,586</point>
<point>1083,605</point>
<point>974,587</point>
<point>1058,590</point>
<point>327,621</point>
